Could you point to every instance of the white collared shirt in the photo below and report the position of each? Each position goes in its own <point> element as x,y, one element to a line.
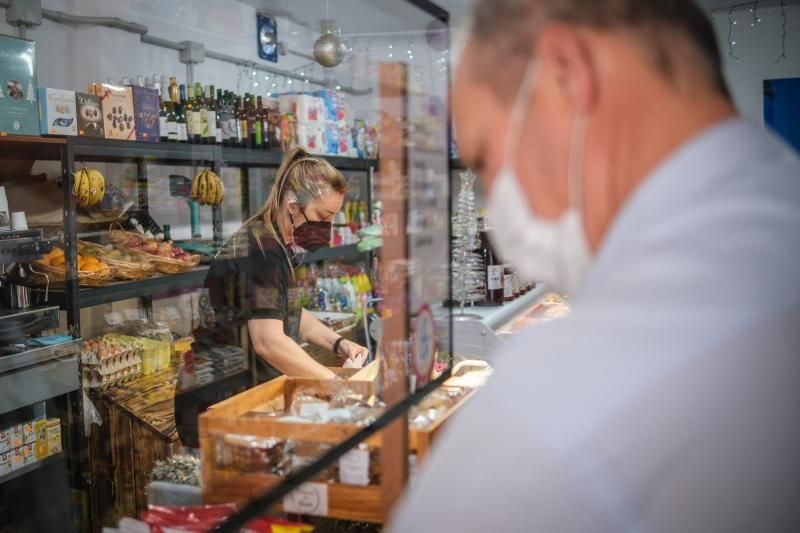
<point>669,400</point>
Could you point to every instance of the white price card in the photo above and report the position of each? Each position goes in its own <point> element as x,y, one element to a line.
<point>113,319</point>
<point>354,467</point>
<point>131,314</point>
<point>308,498</point>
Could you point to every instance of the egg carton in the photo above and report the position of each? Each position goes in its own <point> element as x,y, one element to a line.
<point>93,379</point>
<point>114,366</point>
<point>95,357</point>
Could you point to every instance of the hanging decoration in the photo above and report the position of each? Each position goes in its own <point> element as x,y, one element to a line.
<point>731,42</point>
<point>783,33</point>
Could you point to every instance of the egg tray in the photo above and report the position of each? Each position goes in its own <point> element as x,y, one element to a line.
<point>111,370</point>
<point>94,380</point>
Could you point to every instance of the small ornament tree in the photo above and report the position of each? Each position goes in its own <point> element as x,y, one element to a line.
<point>468,268</point>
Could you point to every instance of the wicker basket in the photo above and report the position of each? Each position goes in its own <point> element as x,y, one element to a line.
<point>87,279</point>
<point>165,265</point>
<point>128,270</point>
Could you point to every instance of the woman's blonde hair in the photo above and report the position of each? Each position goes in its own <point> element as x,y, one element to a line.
<point>304,176</point>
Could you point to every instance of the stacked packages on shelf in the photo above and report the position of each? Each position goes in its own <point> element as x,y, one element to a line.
<point>28,442</point>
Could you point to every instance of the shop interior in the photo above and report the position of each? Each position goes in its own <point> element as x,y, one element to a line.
<point>137,137</point>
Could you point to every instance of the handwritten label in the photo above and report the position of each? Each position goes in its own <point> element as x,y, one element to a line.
<point>309,498</point>
<point>354,467</point>
<point>113,319</point>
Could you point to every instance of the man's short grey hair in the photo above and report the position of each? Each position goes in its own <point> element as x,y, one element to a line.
<point>508,29</point>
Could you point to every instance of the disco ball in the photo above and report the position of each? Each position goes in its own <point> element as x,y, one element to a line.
<point>329,50</point>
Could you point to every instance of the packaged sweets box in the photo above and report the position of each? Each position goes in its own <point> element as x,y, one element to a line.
<point>118,113</point>
<point>90,115</point>
<point>146,108</point>
<point>57,112</point>
<point>19,101</point>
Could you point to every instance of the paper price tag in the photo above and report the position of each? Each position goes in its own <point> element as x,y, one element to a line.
<point>131,314</point>
<point>309,498</point>
<point>354,467</point>
<point>113,319</point>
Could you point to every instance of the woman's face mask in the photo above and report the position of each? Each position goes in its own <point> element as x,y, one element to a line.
<point>311,235</point>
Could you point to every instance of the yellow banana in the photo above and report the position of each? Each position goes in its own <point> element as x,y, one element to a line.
<point>81,188</point>
<point>97,186</point>
<point>195,187</point>
<point>203,188</point>
<point>220,191</point>
<point>211,191</point>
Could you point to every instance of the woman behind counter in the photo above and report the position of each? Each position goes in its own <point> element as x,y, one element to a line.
<point>251,281</point>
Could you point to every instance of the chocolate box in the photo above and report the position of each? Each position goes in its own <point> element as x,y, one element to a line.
<point>118,114</point>
<point>19,99</point>
<point>90,115</point>
<point>57,114</point>
<point>146,108</point>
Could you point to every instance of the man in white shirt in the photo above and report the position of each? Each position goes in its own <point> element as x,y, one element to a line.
<point>669,400</point>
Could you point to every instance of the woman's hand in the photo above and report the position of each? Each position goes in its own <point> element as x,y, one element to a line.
<point>357,361</point>
<point>349,350</point>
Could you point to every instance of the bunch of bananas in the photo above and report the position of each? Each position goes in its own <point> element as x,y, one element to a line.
<point>207,188</point>
<point>89,188</point>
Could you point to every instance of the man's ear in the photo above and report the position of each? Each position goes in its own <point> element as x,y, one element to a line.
<point>568,55</point>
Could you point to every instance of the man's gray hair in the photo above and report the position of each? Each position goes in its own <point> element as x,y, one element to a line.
<point>508,29</point>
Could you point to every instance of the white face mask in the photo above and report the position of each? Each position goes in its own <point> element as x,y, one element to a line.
<point>553,252</point>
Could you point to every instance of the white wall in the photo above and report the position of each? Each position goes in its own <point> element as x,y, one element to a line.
<point>757,49</point>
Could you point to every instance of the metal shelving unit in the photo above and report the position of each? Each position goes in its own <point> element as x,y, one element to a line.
<point>47,461</point>
<point>123,290</point>
<point>70,150</point>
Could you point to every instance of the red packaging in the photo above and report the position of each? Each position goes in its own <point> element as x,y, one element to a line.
<point>202,518</point>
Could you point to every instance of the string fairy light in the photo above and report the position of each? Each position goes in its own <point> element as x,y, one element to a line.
<point>754,11</point>
<point>731,41</point>
<point>783,33</point>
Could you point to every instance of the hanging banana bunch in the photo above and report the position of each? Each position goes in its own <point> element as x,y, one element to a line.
<point>207,188</point>
<point>89,187</point>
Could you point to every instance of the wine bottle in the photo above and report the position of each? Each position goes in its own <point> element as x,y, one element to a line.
<point>494,270</point>
<point>183,125</point>
<point>163,114</point>
<point>218,112</point>
<point>241,118</point>
<point>202,109</point>
<point>254,121</point>
<point>261,114</point>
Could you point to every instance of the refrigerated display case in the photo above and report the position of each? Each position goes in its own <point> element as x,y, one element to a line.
<point>479,331</point>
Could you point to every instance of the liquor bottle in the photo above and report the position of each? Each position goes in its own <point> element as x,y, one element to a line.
<point>211,115</point>
<point>508,284</point>
<point>224,117</point>
<point>254,122</point>
<point>172,114</point>
<point>201,107</point>
<point>493,268</point>
<point>183,126</point>
<point>275,116</point>
<point>163,114</point>
<point>187,103</point>
<point>264,121</point>
<point>218,113</point>
<point>241,118</point>
<point>233,120</point>
<point>167,235</point>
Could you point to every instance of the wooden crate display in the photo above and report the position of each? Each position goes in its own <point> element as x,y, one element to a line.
<point>235,416</point>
